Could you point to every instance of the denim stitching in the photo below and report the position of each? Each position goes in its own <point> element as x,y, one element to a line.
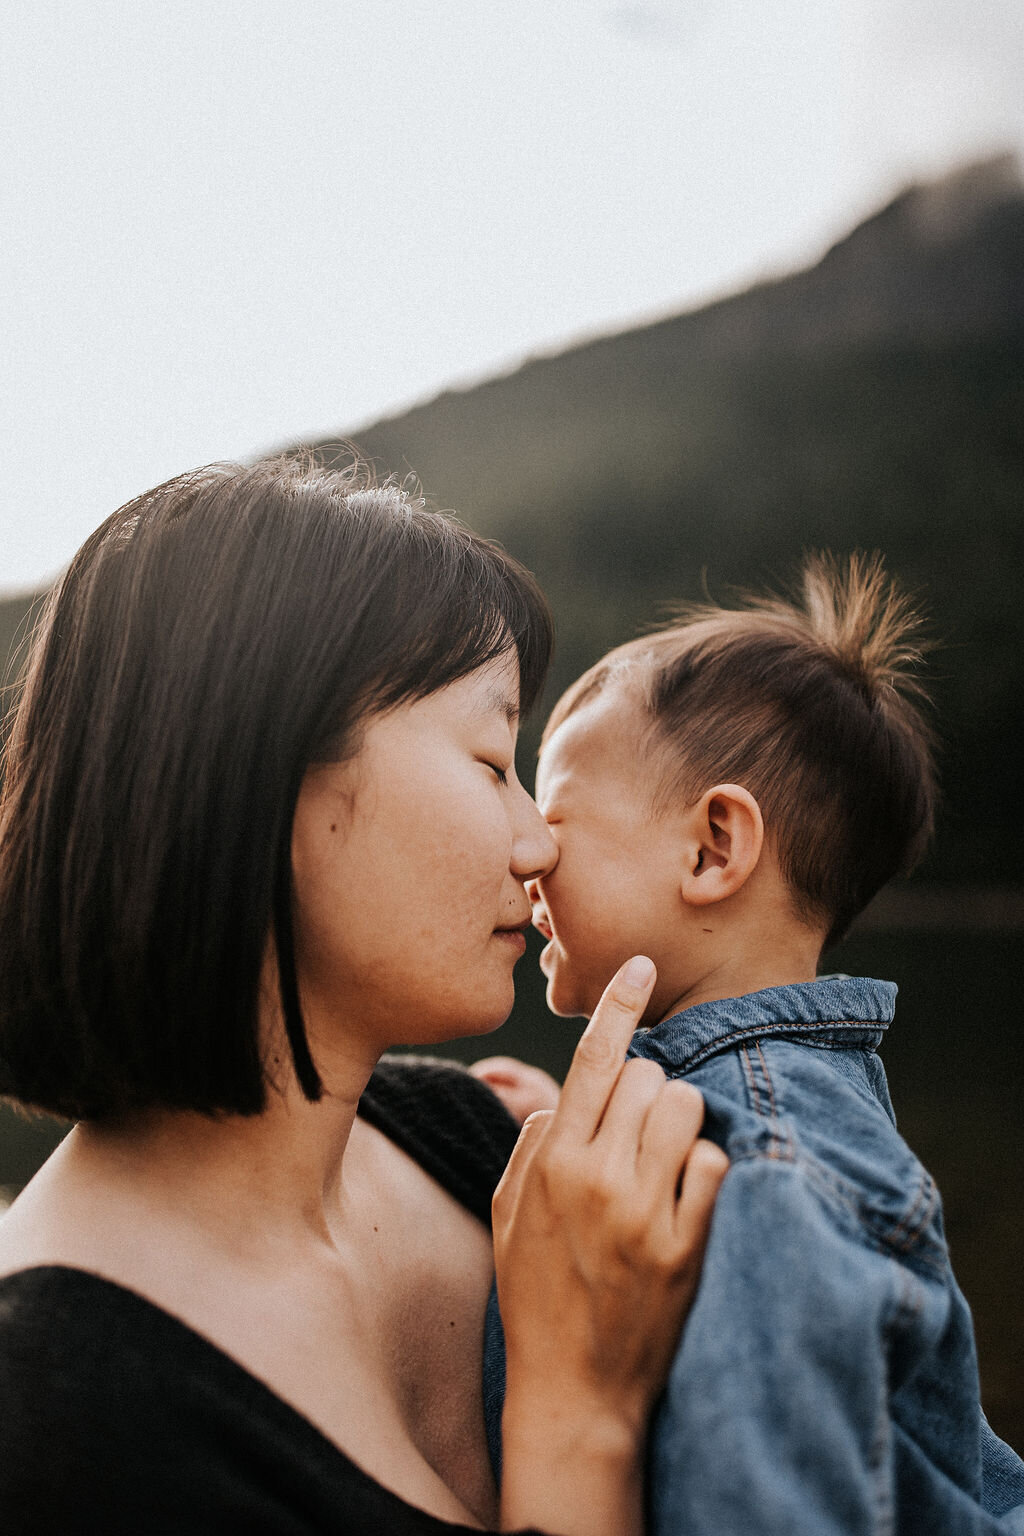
<point>927,1194</point>
<point>900,1233</point>
<point>844,1198</point>
<point>725,1042</point>
<point>748,1067</point>
<point>767,1078</point>
<point>777,1145</point>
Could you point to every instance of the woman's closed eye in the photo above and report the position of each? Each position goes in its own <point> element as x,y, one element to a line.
<point>501,774</point>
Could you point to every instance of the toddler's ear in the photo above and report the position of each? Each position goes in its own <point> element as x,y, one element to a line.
<point>725,835</point>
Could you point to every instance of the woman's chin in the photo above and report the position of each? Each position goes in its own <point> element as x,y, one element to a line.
<point>486,1017</point>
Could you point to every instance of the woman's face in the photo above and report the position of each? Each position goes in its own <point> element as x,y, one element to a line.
<point>409,865</point>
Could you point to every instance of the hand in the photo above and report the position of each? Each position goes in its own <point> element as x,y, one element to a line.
<point>520,1087</point>
<point>600,1224</point>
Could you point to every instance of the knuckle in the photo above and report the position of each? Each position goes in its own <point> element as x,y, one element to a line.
<point>630,1252</point>
<point>666,1262</point>
<point>685,1105</point>
<point>645,1073</point>
<point>685,1094</point>
<point>557,1168</point>
<point>598,1185</point>
<point>710,1158</point>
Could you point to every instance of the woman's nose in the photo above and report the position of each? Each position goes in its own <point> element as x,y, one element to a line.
<point>534,850</point>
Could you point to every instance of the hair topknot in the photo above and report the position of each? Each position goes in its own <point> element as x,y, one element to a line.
<point>860,614</point>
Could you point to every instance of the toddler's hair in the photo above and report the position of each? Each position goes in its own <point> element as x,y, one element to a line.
<point>814,706</point>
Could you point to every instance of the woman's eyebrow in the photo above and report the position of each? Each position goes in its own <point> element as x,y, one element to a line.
<point>498,702</point>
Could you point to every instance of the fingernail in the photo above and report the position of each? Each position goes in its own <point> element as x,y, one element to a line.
<point>639,971</point>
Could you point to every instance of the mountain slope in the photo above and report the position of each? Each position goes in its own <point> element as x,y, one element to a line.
<point>875,401</point>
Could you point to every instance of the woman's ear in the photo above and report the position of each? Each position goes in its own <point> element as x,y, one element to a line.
<point>725,835</point>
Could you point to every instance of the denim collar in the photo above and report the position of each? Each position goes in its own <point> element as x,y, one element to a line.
<point>836,1012</point>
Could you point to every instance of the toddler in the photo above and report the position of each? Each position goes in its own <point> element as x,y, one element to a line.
<point>726,795</point>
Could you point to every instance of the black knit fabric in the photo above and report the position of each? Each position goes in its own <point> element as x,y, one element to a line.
<point>116,1419</point>
<point>453,1125</point>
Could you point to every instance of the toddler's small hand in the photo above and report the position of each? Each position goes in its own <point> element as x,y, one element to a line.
<point>520,1087</point>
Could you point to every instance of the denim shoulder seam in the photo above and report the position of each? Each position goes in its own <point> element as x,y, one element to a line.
<point>781,1031</point>
<point>900,1237</point>
<point>899,1241</point>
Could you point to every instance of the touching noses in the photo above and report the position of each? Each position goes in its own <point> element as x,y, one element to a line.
<point>534,851</point>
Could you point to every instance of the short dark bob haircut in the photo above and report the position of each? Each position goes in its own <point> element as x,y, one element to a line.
<point>209,642</point>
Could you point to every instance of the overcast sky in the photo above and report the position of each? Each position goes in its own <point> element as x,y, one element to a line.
<point>224,226</point>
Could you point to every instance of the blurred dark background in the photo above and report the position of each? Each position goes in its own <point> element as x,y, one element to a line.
<point>875,401</point>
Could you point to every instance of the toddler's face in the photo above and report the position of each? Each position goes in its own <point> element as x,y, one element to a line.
<point>614,891</point>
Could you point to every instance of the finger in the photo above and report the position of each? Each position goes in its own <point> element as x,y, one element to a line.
<point>535,1129</point>
<point>670,1129</point>
<point>632,1098</point>
<point>706,1167</point>
<point>601,1052</point>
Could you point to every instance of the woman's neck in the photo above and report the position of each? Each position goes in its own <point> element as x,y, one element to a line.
<point>250,1182</point>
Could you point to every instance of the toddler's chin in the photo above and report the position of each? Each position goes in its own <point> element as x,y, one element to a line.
<point>565,997</point>
<point>561,997</point>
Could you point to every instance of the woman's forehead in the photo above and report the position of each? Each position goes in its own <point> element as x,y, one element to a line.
<point>494,687</point>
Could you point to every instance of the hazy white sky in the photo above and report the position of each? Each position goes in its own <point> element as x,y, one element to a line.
<point>225,226</point>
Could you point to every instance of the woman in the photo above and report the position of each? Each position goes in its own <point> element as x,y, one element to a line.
<point>261,822</point>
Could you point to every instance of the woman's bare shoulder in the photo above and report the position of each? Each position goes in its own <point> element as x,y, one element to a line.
<point>46,1224</point>
<point>81,1214</point>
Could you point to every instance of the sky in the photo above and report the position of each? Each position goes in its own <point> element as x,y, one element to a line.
<point>225,227</point>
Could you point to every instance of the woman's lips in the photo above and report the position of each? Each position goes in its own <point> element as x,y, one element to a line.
<point>513,936</point>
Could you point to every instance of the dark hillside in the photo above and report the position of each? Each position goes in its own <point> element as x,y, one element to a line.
<point>875,401</point>
<point>940,267</point>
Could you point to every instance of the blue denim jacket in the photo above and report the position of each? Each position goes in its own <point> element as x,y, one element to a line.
<point>826,1381</point>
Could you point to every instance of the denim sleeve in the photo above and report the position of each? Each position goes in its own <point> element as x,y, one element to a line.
<point>775,1418</point>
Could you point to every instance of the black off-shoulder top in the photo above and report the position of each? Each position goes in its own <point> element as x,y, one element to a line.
<point>116,1419</point>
